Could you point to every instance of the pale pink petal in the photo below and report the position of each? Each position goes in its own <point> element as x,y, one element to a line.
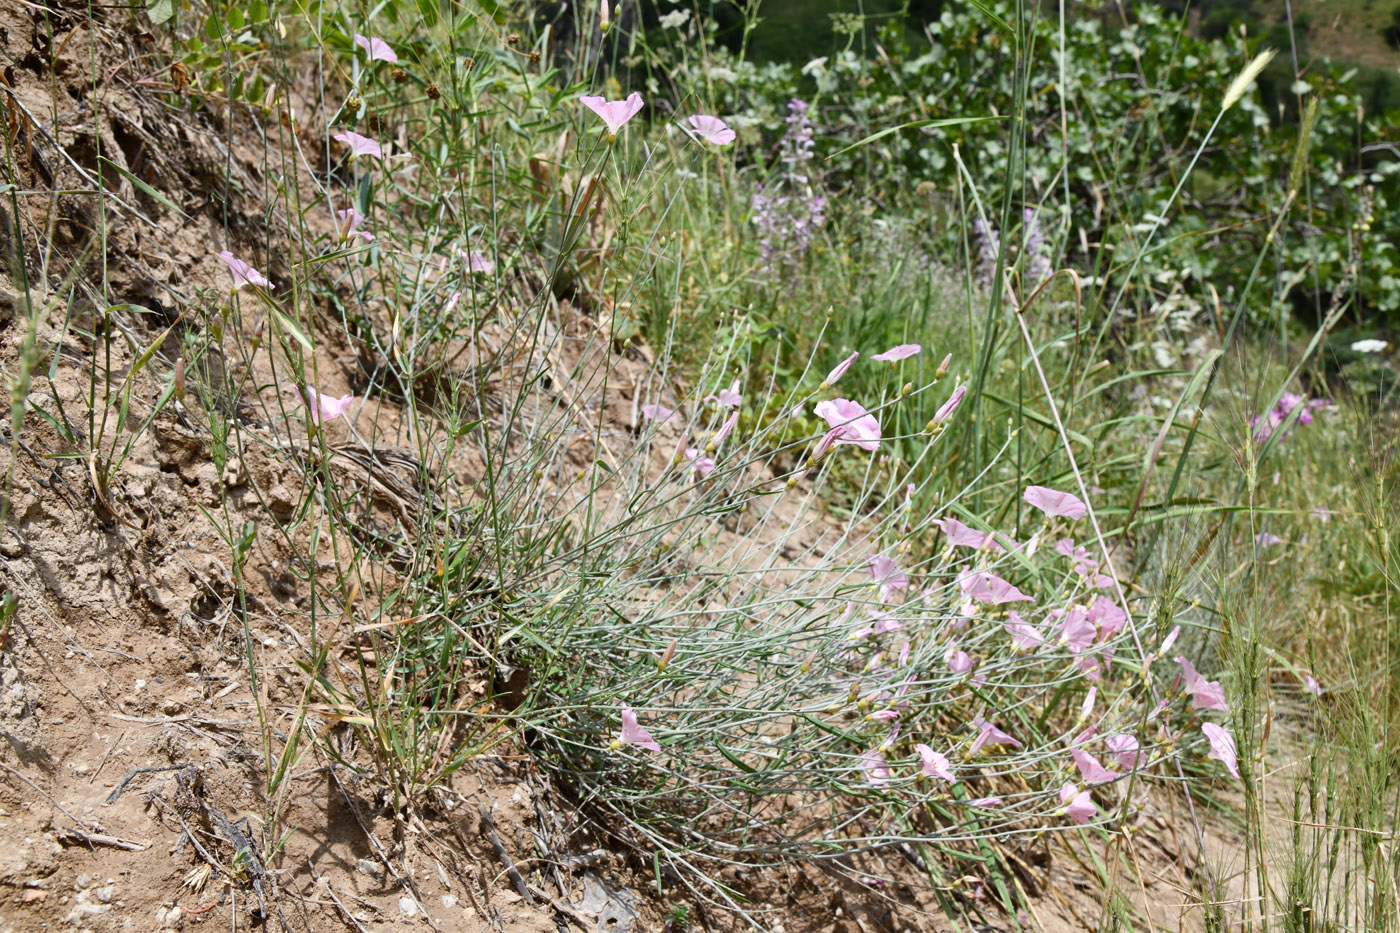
<point>243,274</point>
<point>1089,768</point>
<point>876,769</point>
<point>634,734</point>
<point>1124,748</point>
<point>936,765</point>
<point>946,410</point>
<point>658,413</point>
<point>1222,747</point>
<point>359,145</point>
<point>895,354</point>
<point>376,49</point>
<point>840,370</point>
<point>1056,504</point>
<point>857,425</point>
<point>887,575</point>
<point>1078,805</point>
<point>712,129</point>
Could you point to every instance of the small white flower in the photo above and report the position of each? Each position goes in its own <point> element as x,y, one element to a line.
<point>675,19</point>
<point>815,66</point>
<point>1369,346</point>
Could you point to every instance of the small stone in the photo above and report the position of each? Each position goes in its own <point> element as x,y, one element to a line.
<point>407,907</point>
<point>174,919</point>
<point>449,901</point>
<point>82,882</point>
<point>105,894</point>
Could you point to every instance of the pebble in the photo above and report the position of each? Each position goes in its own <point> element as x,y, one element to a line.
<point>82,882</point>
<point>104,895</point>
<point>407,907</point>
<point>449,901</point>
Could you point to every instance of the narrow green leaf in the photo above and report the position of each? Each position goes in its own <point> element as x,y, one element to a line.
<point>949,121</point>
<point>147,189</point>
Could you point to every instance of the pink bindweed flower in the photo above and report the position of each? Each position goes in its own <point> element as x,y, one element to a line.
<point>839,371</point>
<point>1222,747</point>
<point>945,411</point>
<point>243,274</point>
<point>988,734</point>
<point>479,262</point>
<point>1077,804</point>
<point>959,661</point>
<point>936,765</point>
<point>376,49</point>
<point>1107,617</point>
<point>1124,747</point>
<point>359,145</point>
<point>700,463</point>
<point>1205,694</point>
<point>452,302</point>
<point>324,408</point>
<point>986,587</point>
<point>658,413</point>
<point>712,130</point>
<point>1089,768</point>
<point>725,430</point>
<point>615,113</point>
<point>1087,707</point>
<point>1265,539</point>
<point>887,575</point>
<point>1056,504</point>
<point>633,733</point>
<point>1311,685</point>
<point>895,354</point>
<point>876,769</point>
<point>825,443</point>
<point>727,398</point>
<point>1168,641</point>
<point>857,425</point>
<point>961,535</point>
<point>986,803</point>
<point>350,220</point>
<point>1025,637</point>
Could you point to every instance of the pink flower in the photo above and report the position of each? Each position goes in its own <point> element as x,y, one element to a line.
<point>725,429</point>
<point>376,49</point>
<point>1089,768</point>
<point>633,733</point>
<point>936,765</point>
<point>1222,747</point>
<point>658,413</point>
<point>986,803</point>
<point>701,464</point>
<point>615,113</point>
<point>987,587</point>
<point>712,129</point>
<point>825,443</point>
<point>876,769</point>
<point>727,398</point>
<point>1322,514</point>
<point>452,300</point>
<point>1205,694</point>
<point>988,734</point>
<point>479,262</point>
<point>1105,614</point>
<point>243,274</point>
<point>1077,632</point>
<point>1311,685</point>
<point>1054,503</point>
<point>1024,636</point>
<point>1077,804</point>
<point>1125,748</point>
<point>1168,641</point>
<point>895,354</point>
<point>857,425</point>
<point>959,661</point>
<point>1087,707</point>
<point>359,145</point>
<point>324,408</point>
<point>350,220</point>
<point>959,534</point>
<point>839,371</point>
<point>887,575</point>
<point>946,410</point>
<point>1264,539</point>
